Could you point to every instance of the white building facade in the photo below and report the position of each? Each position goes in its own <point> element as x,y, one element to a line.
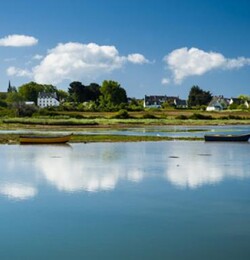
<point>47,100</point>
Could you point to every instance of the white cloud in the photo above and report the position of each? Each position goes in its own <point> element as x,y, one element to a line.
<point>237,63</point>
<point>137,58</point>
<point>73,61</point>
<point>37,57</point>
<point>13,71</point>
<point>77,61</point>
<point>186,62</point>
<point>165,81</point>
<point>17,40</point>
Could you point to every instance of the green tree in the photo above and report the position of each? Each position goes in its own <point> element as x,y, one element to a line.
<point>3,103</point>
<point>244,97</point>
<point>80,93</point>
<point>62,95</point>
<point>94,92</point>
<point>30,90</point>
<point>14,98</point>
<point>198,97</point>
<point>112,95</point>
<point>76,91</point>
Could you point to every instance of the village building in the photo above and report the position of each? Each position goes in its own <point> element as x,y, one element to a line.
<point>157,101</point>
<point>154,101</point>
<point>180,103</point>
<point>218,103</point>
<point>238,101</point>
<point>47,100</point>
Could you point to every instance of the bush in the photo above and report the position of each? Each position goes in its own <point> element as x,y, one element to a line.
<point>3,103</point>
<point>182,117</point>
<point>7,112</point>
<point>26,110</point>
<point>200,116</point>
<point>149,116</point>
<point>122,114</point>
<point>234,117</point>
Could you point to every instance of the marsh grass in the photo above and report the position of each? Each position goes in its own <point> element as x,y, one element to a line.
<point>44,121</point>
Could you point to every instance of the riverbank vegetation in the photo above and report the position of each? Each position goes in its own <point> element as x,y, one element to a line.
<point>124,117</point>
<point>106,106</point>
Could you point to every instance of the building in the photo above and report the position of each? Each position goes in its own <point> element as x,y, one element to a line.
<point>157,101</point>
<point>47,100</point>
<point>218,103</point>
<point>154,101</point>
<point>239,101</point>
<point>180,103</point>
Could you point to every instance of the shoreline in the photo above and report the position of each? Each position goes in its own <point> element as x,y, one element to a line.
<point>13,138</point>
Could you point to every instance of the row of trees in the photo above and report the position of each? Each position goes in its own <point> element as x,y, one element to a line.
<point>109,96</point>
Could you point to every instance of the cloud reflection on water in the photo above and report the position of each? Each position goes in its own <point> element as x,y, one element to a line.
<point>17,191</point>
<point>194,170</point>
<point>94,171</point>
<point>101,167</point>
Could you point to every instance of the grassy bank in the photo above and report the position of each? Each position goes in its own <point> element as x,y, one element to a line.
<point>79,121</point>
<point>14,138</point>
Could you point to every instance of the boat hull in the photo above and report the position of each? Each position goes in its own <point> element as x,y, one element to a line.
<point>44,139</point>
<point>227,138</point>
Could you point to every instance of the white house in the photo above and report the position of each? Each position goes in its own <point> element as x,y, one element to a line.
<point>239,101</point>
<point>217,103</point>
<point>47,100</point>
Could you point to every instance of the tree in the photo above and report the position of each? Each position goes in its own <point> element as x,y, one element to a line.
<point>244,97</point>
<point>14,98</point>
<point>76,91</point>
<point>30,90</point>
<point>81,93</point>
<point>94,91</point>
<point>112,95</point>
<point>198,97</point>
<point>62,95</point>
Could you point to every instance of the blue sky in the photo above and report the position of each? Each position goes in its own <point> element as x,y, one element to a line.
<point>160,47</point>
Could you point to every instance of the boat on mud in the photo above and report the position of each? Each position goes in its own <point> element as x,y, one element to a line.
<point>35,139</point>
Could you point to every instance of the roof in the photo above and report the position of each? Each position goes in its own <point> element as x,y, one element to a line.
<point>47,95</point>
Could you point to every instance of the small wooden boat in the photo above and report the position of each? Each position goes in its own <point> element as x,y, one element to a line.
<point>227,138</point>
<point>34,139</point>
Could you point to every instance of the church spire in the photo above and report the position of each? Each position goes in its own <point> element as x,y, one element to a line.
<point>9,87</point>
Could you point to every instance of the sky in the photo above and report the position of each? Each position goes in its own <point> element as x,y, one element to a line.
<point>153,47</point>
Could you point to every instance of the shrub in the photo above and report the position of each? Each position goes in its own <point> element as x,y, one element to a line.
<point>149,116</point>
<point>26,110</point>
<point>234,117</point>
<point>200,116</point>
<point>122,114</point>
<point>182,117</point>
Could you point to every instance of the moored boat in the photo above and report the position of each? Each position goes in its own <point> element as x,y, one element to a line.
<point>227,138</point>
<point>34,139</point>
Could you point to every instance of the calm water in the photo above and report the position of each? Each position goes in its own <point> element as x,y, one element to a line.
<point>162,200</point>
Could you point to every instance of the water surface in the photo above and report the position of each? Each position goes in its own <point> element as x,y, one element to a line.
<point>148,200</point>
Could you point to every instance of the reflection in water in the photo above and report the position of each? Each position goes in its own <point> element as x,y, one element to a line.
<point>100,167</point>
<point>68,175</point>
<point>94,170</point>
<point>193,170</point>
<point>18,191</point>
